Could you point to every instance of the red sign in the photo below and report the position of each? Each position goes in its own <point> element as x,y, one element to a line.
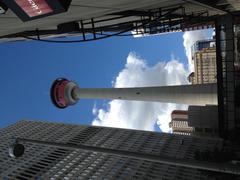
<point>34,8</point>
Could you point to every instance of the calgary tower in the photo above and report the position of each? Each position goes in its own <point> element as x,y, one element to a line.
<point>65,93</point>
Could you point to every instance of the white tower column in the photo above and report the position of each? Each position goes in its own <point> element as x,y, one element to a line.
<point>184,94</point>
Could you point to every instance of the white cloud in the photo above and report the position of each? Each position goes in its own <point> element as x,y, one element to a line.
<point>189,38</point>
<point>94,110</point>
<point>142,115</point>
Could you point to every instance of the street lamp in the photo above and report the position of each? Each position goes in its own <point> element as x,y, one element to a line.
<point>16,149</point>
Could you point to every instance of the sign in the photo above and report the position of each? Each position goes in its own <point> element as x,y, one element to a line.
<point>34,7</point>
<point>28,10</point>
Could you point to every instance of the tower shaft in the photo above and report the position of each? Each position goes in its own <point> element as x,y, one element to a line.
<point>198,94</point>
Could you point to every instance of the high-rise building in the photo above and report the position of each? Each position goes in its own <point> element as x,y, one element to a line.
<point>205,68</point>
<point>204,119</point>
<point>202,44</point>
<point>226,75</point>
<point>197,120</point>
<point>179,123</point>
<point>43,161</point>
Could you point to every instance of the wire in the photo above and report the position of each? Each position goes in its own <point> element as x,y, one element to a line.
<point>76,41</point>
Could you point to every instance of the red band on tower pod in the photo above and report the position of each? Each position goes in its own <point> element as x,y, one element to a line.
<point>58,93</point>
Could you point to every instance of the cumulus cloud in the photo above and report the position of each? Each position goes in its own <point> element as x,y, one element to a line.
<point>189,38</point>
<point>94,109</point>
<point>136,114</point>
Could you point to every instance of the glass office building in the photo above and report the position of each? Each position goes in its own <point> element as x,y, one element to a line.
<point>49,162</point>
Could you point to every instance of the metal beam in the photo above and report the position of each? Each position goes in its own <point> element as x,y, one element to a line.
<point>206,4</point>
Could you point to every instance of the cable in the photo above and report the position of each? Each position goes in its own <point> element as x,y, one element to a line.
<point>76,41</point>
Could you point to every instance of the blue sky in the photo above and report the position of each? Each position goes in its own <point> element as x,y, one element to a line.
<point>27,70</point>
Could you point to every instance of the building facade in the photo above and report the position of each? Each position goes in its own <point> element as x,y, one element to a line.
<point>197,120</point>
<point>179,123</point>
<point>204,119</point>
<point>47,162</point>
<point>205,68</point>
<point>202,44</point>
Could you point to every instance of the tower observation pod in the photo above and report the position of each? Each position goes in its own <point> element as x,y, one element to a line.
<point>65,93</point>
